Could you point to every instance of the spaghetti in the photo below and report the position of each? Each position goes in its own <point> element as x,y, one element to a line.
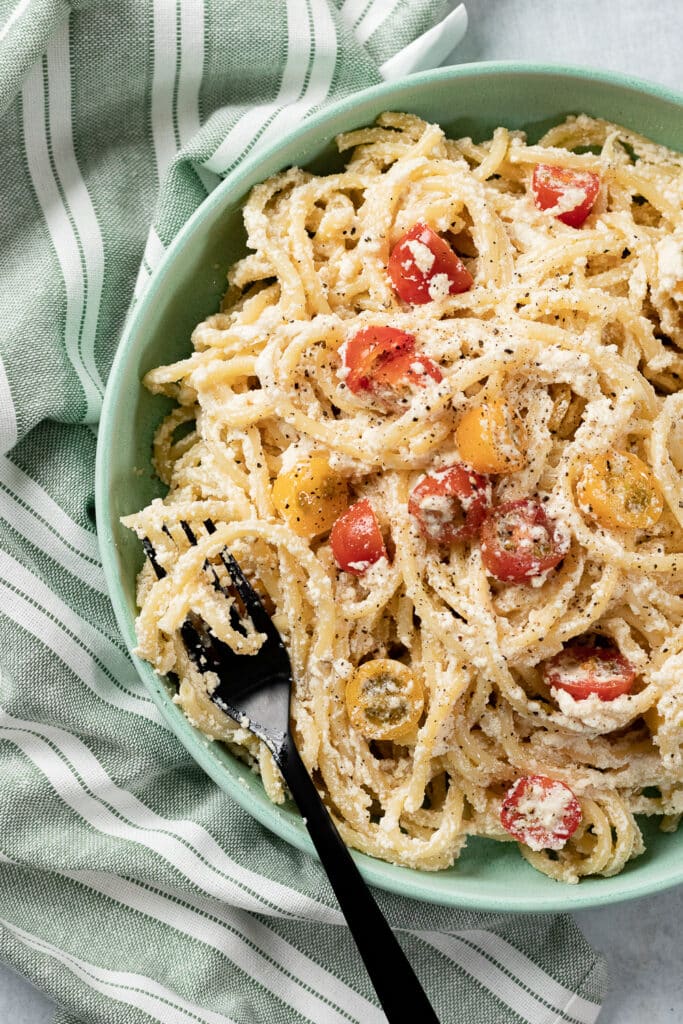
<point>437,421</point>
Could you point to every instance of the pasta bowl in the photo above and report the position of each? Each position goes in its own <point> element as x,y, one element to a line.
<point>188,285</point>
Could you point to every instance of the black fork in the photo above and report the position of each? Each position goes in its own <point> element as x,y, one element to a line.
<point>255,690</point>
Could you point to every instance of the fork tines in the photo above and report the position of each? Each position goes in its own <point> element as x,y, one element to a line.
<point>260,618</point>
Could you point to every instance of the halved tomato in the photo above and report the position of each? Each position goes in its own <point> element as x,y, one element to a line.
<point>572,192</point>
<point>583,668</point>
<point>384,358</point>
<point>450,504</point>
<point>620,491</point>
<point>519,541</point>
<point>540,812</point>
<point>384,700</point>
<point>356,539</point>
<point>423,267</point>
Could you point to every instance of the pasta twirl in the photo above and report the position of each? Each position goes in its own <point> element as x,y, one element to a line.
<point>437,421</point>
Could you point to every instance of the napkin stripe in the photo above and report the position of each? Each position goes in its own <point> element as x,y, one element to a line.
<point>35,530</point>
<point>192,60</point>
<point>295,907</point>
<point>8,415</point>
<point>253,948</point>
<point>353,10</point>
<point>77,201</point>
<point>165,55</point>
<point>137,990</point>
<point>59,225</point>
<point>316,84</point>
<point>512,958</point>
<point>191,44</point>
<point>32,496</point>
<point>114,660</point>
<point>154,251</point>
<point>374,17</point>
<point>239,137</point>
<point>529,1005</point>
<point>66,762</point>
<point>72,654</point>
<point>54,213</point>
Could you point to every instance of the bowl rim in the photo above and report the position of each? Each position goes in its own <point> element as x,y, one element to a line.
<point>374,871</point>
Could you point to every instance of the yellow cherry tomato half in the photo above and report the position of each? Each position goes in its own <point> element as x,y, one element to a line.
<point>310,497</point>
<point>491,438</point>
<point>620,492</point>
<point>384,700</point>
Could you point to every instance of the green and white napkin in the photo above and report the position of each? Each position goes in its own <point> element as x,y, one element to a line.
<point>131,888</point>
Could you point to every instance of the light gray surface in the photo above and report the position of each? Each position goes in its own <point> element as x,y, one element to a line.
<point>638,37</point>
<point>642,940</point>
<point>21,1003</point>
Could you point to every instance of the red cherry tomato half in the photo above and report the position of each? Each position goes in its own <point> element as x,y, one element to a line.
<point>423,267</point>
<point>409,368</point>
<point>540,812</point>
<point>378,358</point>
<point>583,668</point>
<point>519,541</point>
<point>356,539</point>
<point>574,191</point>
<point>450,504</point>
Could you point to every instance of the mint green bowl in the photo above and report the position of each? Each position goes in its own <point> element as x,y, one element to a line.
<point>187,286</point>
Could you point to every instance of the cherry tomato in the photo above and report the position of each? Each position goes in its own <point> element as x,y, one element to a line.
<point>574,192</point>
<point>492,438</point>
<point>379,358</point>
<point>519,541</point>
<point>620,491</point>
<point>309,496</point>
<point>540,812</point>
<point>423,267</point>
<point>356,539</point>
<point>384,700</point>
<point>450,504</point>
<point>409,368</point>
<point>583,668</point>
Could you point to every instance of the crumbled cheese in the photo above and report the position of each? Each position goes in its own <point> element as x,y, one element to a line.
<point>377,574</point>
<point>596,715</point>
<point>439,287</point>
<point>568,200</point>
<point>342,667</point>
<point>670,264</point>
<point>422,254</point>
<point>346,465</point>
<point>297,452</point>
<point>527,235</point>
<point>565,366</point>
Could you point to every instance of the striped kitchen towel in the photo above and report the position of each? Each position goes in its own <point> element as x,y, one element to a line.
<point>131,888</point>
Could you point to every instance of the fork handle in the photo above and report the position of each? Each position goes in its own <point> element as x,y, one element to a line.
<point>396,984</point>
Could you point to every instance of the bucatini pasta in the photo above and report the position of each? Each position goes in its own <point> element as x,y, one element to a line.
<point>438,423</point>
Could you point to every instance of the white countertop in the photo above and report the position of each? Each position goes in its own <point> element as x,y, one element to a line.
<point>642,940</point>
